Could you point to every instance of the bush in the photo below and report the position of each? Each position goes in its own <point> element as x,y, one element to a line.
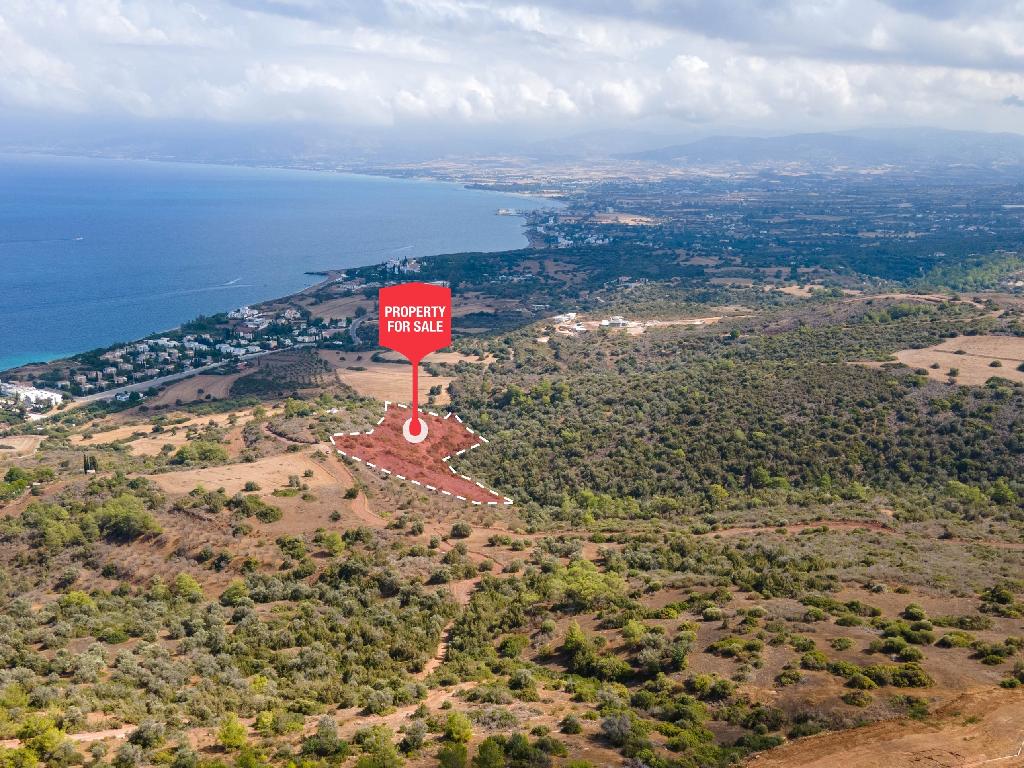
<point>461,530</point>
<point>914,612</point>
<point>490,754</point>
<point>788,677</point>
<point>125,518</point>
<point>571,724</point>
<point>148,735</point>
<point>453,755</point>
<point>861,682</point>
<point>414,738</point>
<point>325,742</point>
<point>457,728</point>
<point>857,698</point>
<point>200,452</point>
<point>232,734</point>
<point>814,660</point>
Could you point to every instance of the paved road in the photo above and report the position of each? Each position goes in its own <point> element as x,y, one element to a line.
<point>142,386</point>
<point>352,329</point>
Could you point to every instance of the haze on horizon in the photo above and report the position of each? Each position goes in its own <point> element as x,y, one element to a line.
<point>491,73</point>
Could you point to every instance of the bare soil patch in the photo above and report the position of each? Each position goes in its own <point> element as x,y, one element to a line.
<point>424,464</point>
<point>983,727</point>
<point>19,445</point>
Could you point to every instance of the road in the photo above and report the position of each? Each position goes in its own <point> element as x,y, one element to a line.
<point>356,322</point>
<point>142,386</point>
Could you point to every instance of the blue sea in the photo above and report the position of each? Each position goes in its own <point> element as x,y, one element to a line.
<point>95,252</point>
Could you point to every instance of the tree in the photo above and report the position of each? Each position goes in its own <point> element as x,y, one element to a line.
<point>125,518</point>
<point>380,750</point>
<point>149,734</point>
<point>187,588</point>
<point>235,593</point>
<point>325,742</point>
<point>458,728</point>
<point>490,754</point>
<point>232,734</point>
<point>452,755</point>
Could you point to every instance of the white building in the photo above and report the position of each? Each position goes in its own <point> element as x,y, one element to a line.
<point>32,395</point>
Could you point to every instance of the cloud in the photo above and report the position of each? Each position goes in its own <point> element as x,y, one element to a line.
<point>543,64</point>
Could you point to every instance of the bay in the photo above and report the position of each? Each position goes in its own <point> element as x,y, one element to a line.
<point>95,251</point>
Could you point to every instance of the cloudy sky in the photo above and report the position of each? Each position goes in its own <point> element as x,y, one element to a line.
<point>549,67</point>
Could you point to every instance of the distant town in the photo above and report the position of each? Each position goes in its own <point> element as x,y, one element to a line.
<point>129,372</point>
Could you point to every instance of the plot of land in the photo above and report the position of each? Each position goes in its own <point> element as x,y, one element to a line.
<point>143,441</point>
<point>20,445</point>
<point>115,435</point>
<point>201,387</point>
<point>340,308</point>
<point>384,381</point>
<point>637,327</point>
<point>270,472</point>
<point>629,219</point>
<point>803,291</point>
<point>427,464</point>
<point>451,358</point>
<point>972,356</point>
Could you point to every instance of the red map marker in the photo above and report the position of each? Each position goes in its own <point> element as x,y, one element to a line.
<point>415,320</point>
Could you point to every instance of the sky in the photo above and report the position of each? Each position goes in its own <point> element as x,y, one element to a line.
<point>544,68</point>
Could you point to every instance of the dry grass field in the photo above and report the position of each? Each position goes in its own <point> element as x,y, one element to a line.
<point>202,387</point>
<point>384,381</point>
<point>19,445</point>
<point>340,308</point>
<point>972,356</point>
<point>270,472</point>
<point>449,358</point>
<point>801,291</point>
<point>143,441</point>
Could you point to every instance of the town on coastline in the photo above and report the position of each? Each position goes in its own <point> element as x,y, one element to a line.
<point>129,372</point>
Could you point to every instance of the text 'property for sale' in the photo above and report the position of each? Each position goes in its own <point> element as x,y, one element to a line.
<point>417,319</point>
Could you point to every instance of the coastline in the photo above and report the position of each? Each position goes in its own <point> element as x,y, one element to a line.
<point>26,362</point>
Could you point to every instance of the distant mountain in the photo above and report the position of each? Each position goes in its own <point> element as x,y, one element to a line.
<point>858,148</point>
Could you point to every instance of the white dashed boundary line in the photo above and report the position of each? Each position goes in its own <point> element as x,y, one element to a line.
<point>1020,750</point>
<point>480,438</point>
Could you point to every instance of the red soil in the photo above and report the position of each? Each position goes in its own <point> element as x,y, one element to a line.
<point>426,464</point>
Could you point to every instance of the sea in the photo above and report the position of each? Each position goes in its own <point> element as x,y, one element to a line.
<point>95,252</point>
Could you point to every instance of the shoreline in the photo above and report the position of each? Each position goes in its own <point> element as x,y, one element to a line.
<point>317,277</point>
